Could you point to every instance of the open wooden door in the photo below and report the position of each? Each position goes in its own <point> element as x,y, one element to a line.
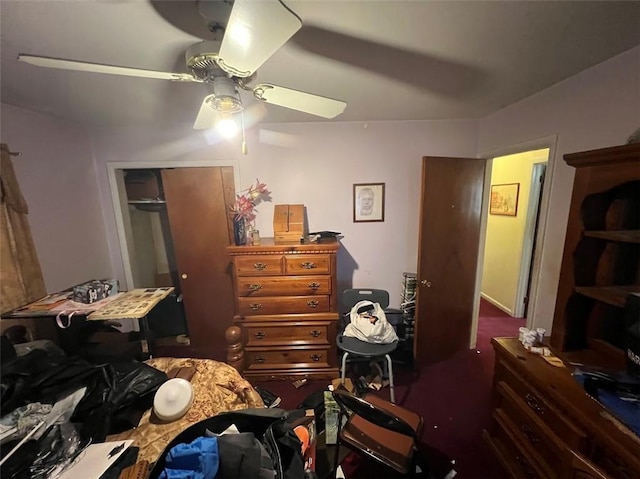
<point>198,201</point>
<point>449,237</point>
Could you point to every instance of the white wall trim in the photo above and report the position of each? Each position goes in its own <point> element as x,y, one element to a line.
<point>496,303</point>
<point>550,142</point>
<point>118,195</point>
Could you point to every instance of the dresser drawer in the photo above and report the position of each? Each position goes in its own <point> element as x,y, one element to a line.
<point>283,285</point>
<point>581,468</point>
<point>283,304</point>
<point>286,358</point>
<point>518,462</point>
<point>530,428</point>
<point>294,334</point>
<point>259,265</point>
<point>561,426</point>
<point>616,465</point>
<point>297,264</point>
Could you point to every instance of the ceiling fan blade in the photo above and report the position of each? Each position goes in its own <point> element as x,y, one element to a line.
<point>49,62</point>
<point>206,116</point>
<point>256,29</point>
<point>299,100</point>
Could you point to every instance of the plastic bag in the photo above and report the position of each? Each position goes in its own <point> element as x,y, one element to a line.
<point>369,324</point>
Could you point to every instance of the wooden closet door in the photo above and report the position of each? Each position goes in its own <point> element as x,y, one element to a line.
<point>198,202</point>
<point>450,212</point>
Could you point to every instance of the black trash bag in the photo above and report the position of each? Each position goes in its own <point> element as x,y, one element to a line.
<point>17,378</point>
<point>116,396</point>
<point>271,426</point>
<point>128,392</point>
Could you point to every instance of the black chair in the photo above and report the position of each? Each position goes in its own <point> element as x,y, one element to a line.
<point>361,350</point>
<point>380,430</point>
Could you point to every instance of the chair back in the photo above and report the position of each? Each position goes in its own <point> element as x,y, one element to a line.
<point>350,297</point>
<point>372,413</point>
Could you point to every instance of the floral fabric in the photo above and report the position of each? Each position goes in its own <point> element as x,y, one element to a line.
<point>217,388</point>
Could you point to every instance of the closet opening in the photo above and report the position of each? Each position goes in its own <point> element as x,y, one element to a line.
<point>153,263</point>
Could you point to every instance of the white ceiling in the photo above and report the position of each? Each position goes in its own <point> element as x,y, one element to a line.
<point>389,60</point>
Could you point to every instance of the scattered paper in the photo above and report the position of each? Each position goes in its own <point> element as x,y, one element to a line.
<point>95,460</point>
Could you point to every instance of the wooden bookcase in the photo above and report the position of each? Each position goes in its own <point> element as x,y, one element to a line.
<point>601,261</point>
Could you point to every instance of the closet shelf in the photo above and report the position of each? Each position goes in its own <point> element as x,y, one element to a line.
<point>612,295</point>
<point>626,236</point>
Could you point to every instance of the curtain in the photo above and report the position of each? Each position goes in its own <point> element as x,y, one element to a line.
<point>21,279</point>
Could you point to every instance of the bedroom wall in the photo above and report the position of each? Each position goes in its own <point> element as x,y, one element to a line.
<point>77,240</point>
<point>57,176</point>
<point>317,167</point>
<point>600,107</point>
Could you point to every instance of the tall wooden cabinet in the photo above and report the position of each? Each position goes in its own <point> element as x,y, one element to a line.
<point>544,425</point>
<point>285,309</point>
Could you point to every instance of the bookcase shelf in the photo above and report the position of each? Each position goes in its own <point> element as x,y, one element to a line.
<point>625,236</point>
<point>611,295</point>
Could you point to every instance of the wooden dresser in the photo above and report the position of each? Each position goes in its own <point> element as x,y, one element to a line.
<point>286,310</point>
<point>544,424</point>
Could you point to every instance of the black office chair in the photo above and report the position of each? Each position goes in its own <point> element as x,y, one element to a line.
<point>361,350</point>
<point>378,429</point>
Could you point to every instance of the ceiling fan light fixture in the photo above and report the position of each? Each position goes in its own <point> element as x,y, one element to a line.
<point>225,96</point>
<point>227,126</point>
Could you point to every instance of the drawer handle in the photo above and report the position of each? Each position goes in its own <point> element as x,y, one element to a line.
<point>255,287</point>
<point>528,433</point>
<point>260,359</point>
<point>308,265</point>
<point>260,334</point>
<point>526,466</point>
<point>259,266</point>
<point>316,357</point>
<point>315,333</point>
<point>255,306</point>
<point>312,303</point>
<point>532,402</point>
<point>314,286</point>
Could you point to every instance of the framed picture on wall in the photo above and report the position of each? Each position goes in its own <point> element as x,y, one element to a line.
<point>368,202</point>
<point>504,199</point>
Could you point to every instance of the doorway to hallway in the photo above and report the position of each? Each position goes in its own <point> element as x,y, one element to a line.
<point>511,231</point>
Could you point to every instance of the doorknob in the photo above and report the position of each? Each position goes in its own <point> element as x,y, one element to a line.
<point>184,276</point>
<point>426,283</point>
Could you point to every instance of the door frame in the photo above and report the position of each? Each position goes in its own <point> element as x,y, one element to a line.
<point>526,261</point>
<point>549,142</point>
<point>119,198</point>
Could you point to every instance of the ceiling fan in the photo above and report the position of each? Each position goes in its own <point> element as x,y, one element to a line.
<point>256,29</point>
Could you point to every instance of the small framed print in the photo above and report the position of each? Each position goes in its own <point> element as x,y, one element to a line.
<point>504,199</point>
<point>368,202</point>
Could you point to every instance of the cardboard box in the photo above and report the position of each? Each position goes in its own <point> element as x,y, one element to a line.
<point>348,385</point>
<point>288,223</point>
<point>95,290</point>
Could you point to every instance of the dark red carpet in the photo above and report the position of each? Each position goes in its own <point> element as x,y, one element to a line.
<point>452,396</point>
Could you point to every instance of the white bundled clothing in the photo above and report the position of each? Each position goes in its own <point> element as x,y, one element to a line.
<point>371,327</point>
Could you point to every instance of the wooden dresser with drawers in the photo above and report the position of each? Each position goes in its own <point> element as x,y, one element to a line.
<point>544,425</point>
<point>286,309</point>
